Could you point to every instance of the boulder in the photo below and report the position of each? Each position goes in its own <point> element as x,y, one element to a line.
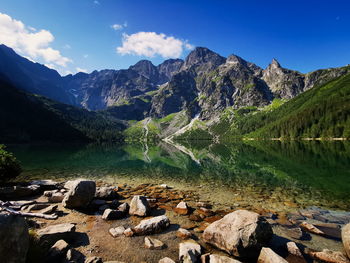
<point>183,233</point>
<point>14,238</point>
<point>268,256</point>
<point>189,251</point>
<point>124,207</point>
<point>214,258</point>
<point>53,233</point>
<point>293,249</point>
<point>117,231</point>
<point>182,208</point>
<point>93,260</point>
<point>110,214</point>
<point>57,252</point>
<point>330,256</point>
<point>106,192</point>
<point>152,225</point>
<point>152,243</point>
<point>139,206</point>
<point>166,260</point>
<point>240,233</point>
<point>345,235</point>
<point>80,194</point>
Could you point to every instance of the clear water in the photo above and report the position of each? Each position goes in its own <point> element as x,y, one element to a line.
<point>274,175</point>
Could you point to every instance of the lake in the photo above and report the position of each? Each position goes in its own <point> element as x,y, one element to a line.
<point>270,174</point>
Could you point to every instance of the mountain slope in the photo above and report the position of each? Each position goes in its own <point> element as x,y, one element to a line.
<point>27,118</point>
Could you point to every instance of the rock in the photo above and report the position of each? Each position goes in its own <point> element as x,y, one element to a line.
<point>330,230</point>
<point>128,232</point>
<point>183,233</point>
<point>80,194</point>
<point>240,233</point>
<point>106,192</point>
<point>294,232</point>
<point>139,206</point>
<point>189,251</point>
<point>57,251</point>
<point>182,208</point>
<point>93,260</point>
<point>166,260</point>
<point>268,256</point>
<point>214,258</point>
<point>53,233</point>
<point>49,210</point>
<point>46,184</point>
<point>164,186</point>
<point>74,256</point>
<point>110,214</point>
<point>124,208</point>
<point>203,204</point>
<point>330,256</point>
<point>293,249</point>
<point>56,197</point>
<point>152,243</point>
<point>152,225</point>
<point>117,231</point>
<point>311,228</point>
<point>14,238</point>
<point>345,235</point>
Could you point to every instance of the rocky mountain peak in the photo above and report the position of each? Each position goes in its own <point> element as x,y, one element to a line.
<point>146,69</point>
<point>169,67</point>
<point>202,55</point>
<point>233,59</point>
<point>274,64</point>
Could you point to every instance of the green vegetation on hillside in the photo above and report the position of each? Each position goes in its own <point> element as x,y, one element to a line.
<point>9,166</point>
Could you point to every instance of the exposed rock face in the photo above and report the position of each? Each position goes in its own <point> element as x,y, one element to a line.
<point>268,256</point>
<point>53,233</point>
<point>152,225</point>
<point>139,206</point>
<point>14,238</point>
<point>189,251</point>
<point>80,194</point>
<point>345,236</point>
<point>240,233</point>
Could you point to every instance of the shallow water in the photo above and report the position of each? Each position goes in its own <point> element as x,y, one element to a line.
<point>273,175</point>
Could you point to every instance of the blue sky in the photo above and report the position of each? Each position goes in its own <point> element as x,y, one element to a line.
<point>79,35</point>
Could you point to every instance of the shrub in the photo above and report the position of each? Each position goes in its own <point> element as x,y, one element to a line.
<point>9,166</point>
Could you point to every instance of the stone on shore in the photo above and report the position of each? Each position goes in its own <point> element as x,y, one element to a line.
<point>93,260</point>
<point>189,251</point>
<point>267,255</point>
<point>152,243</point>
<point>330,256</point>
<point>117,231</point>
<point>124,208</point>
<point>214,258</point>
<point>57,252</point>
<point>110,214</point>
<point>53,233</point>
<point>139,206</point>
<point>128,232</point>
<point>152,225</point>
<point>182,208</point>
<point>311,228</point>
<point>183,233</point>
<point>106,192</point>
<point>345,235</point>
<point>14,238</point>
<point>240,233</point>
<point>80,193</point>
<point>166,260</point>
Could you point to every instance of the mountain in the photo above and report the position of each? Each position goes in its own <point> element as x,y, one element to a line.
<point>26,118</point>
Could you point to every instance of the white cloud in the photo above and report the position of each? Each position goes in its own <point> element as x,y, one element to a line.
<point>96,2</point>
<point>150,44</point>
<point>29,42</point>
<point>117,27</point>
<point>81,70</point>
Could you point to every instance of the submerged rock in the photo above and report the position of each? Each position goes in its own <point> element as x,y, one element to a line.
<point>139,206</point>
<point>268,256</point>
<point>14,238</point>
<point>311,228</point>
<point>152,243</point>
<point>240,233</point>
<point>330,256</point>
<point>152,225</point>
<point>189,251</point>
<point>345,235</point>
<point>80,193</point>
